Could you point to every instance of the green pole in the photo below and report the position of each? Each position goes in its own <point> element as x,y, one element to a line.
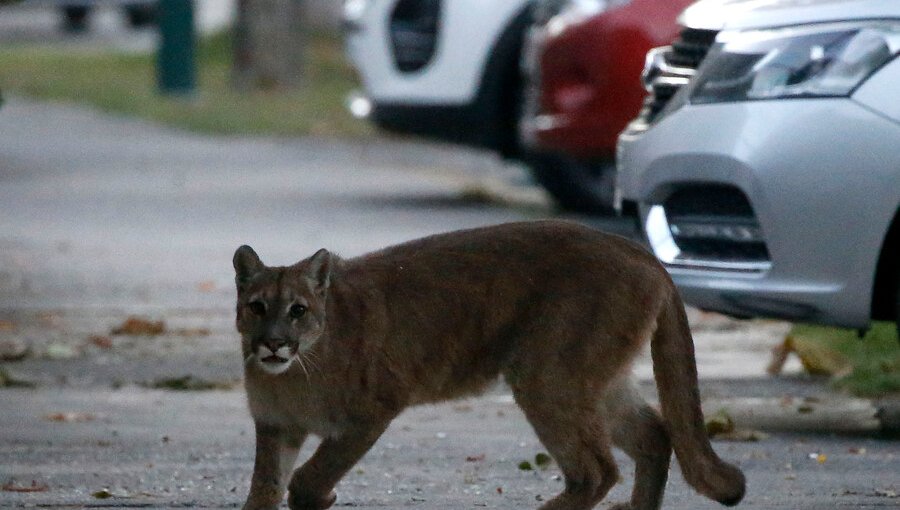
<point>175,66</point>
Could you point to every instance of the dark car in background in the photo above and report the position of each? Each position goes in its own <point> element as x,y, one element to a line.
<point>582,67</point>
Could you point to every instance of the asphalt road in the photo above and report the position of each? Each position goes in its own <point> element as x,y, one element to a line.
<point>102,218</point>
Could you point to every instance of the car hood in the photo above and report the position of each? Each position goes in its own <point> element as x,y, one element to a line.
<point>751,14</point>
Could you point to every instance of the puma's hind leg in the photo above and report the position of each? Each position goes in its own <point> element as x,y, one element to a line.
<point>638,429</point>
<point>579,442</point>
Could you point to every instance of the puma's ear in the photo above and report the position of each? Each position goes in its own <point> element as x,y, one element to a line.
<point>246,264</point>
<point>319,270</point>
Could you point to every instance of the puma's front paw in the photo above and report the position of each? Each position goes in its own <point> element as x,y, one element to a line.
<point>302,501</point>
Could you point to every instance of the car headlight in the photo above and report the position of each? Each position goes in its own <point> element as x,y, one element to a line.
<point>828,60</point>
<point>557,15</point>
<point>353,10</point>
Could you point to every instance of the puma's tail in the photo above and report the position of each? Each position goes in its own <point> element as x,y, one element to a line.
<point>675,370</point>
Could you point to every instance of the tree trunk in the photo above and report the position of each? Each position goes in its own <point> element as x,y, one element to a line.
<point>269,44</point>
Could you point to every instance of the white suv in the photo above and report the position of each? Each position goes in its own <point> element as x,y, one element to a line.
<point>443,69</point>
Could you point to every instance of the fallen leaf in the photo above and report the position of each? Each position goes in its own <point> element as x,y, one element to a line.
<point>12,486</point>
<point>805,409</point>
<point>9,381</point>
<point>70,417</point>
<point>102,494</point>
<point>542,460</point>
<point>206,286</point>
<point>101,341</point>
<point>6,326</point>
<point>135,326</point>
<point>499,490</point>
<point>815,357</point>
<point>857,451</point>
<point>819,457</point>
<point>475,458</point>
<point>719,423</point>
<point>188,383</point>
<point>13,349</point>
<point>525,466</point>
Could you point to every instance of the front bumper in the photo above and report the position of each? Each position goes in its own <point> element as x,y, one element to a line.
<point>821,178</point>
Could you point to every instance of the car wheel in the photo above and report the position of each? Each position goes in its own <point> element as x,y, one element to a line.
<point>75,17</point>
<point>140,15</point>
<point>578,185</point>
<point>897,306</point>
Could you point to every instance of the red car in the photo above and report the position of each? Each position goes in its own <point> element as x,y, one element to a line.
<point>583,76</point>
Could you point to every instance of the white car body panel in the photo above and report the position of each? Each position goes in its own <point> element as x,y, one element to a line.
<point>453,75</point>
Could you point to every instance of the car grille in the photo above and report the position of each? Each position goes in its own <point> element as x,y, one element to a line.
<point>413,32</point>
<point>708,225</point>
<point>668,69</point>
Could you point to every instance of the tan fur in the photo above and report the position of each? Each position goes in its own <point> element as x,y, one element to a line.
<point>558,309</point>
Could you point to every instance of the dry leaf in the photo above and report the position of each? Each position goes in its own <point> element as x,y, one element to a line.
<point>135,326</point>
<point>188,383</point>
<point>719,423</point>
<point>9,381</point>
<point>13,349</point>
<point>815,357</point>
<point>475,458</point>
<point>12,486</point>
<point>101,341</point>
<point>70,417</point>
<point>7,326</point>
<point>206,286</point>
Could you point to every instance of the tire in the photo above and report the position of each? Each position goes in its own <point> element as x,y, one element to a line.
<point>75,17</point>
<point>140,16</point>
<point>897,308</point>
<point>577,185</point>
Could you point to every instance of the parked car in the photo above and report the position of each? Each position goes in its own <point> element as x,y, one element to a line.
<point>447,70</point>
<point>76,13</point>
<point>766,168</point>
<point>451,70</point>
<point>582,69</point>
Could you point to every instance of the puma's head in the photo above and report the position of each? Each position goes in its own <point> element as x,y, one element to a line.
<point>280,310</point>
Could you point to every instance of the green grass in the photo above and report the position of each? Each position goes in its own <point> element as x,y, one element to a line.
<point>875,358</point>
<point>126,84</point>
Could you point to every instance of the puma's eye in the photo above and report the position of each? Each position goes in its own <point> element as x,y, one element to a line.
<point>257,307</point>
<point>296,311</point>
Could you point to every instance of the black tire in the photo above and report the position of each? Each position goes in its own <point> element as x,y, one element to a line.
<point>897,307</point>
<point>577,185</point>
<point>140,16</point>
<point>75,17</point>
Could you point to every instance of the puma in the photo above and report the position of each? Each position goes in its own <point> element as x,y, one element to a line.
<point>339,347</point>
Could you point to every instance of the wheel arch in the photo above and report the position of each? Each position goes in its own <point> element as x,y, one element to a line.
<point>887,274</point>
<point>499,91</point>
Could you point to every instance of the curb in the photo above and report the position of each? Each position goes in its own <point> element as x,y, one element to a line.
<point>841,415</point>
